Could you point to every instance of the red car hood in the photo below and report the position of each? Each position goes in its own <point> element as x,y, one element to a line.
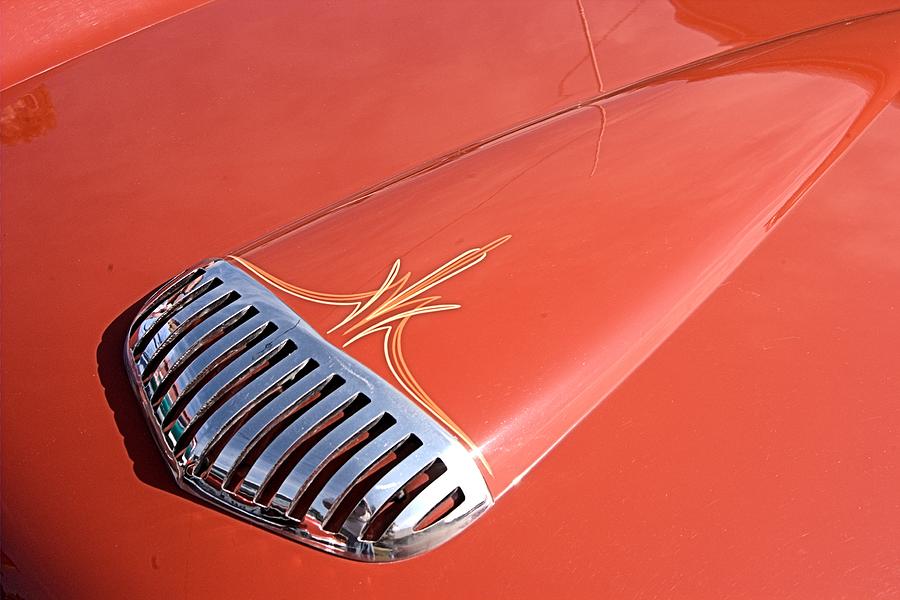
<point>523,281</point>
<point>551,261</point>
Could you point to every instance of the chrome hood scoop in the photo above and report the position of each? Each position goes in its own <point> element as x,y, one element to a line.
<point>255,412</point>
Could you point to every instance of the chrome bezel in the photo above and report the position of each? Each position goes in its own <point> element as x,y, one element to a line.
<point>203,375</point>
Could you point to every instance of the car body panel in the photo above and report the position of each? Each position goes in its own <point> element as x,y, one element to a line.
<point>752,454</point>
<point>37,36</point>
<point>592,235</point>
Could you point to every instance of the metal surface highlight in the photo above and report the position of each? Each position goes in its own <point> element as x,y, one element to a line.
<point>258,414</point>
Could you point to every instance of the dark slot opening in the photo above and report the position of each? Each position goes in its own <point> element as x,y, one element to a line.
<point>290,459</point>
<point>258,335</point>
<point>184,328</point>
<point>208,458</point>
<point>441,509</point>
<point>188,297</point>
<point>345,505</point>
<point>262,440</point>
<point>174,288</point>
<point>382,519</point>
<point>208,340</point>
<point>267,361</point>
<point>338,459</point>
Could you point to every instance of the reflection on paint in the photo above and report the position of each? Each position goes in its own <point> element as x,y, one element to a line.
<point>30,116</point>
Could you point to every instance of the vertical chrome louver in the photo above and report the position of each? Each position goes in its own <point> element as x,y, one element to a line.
<point>254,411</point>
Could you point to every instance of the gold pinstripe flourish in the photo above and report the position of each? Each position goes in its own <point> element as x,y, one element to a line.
<point>388,309</point>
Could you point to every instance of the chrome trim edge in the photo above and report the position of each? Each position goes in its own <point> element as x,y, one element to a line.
<point>325,466</point>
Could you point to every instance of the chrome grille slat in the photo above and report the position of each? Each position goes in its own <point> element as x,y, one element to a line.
<point>229,376</point>
<point>348,474</point>
<point>188,346</point>
<point>305,469</point>
<point>427,499</point>
<point>219,352</point>
<point>386,487</point>
<point>169,317</point>
<point>194,290</point>
<point>252,393</point>
<point>294,433</point>
<point>162,296</point>
<point>241,394</point>
<point>233,451</point>
<point>165,291</point>
<point>177,321</point>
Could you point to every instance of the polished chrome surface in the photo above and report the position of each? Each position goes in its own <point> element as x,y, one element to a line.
<point>255,412</point>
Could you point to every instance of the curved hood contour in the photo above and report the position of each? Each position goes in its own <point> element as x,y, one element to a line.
<point>500,296</point>
<point>535,272</point>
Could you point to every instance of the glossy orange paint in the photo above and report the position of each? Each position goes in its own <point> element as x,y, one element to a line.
<point>736,460</point>
<point>39,35</point>
<point>623,215</point>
